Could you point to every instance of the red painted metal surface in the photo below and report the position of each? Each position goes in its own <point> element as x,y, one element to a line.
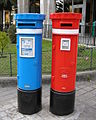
<point>64,61</point>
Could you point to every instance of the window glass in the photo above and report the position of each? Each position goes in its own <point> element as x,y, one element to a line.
<point>68,6</point>
<point>78,10</point>
<point>78,2</point>
<point>34,6</point>
<point>59,5</point>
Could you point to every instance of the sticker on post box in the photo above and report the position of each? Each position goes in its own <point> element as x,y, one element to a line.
<point>65,44</point>
<point>27,47</point>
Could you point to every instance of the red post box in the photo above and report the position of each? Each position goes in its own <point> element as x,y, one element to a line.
<point>65,31</point>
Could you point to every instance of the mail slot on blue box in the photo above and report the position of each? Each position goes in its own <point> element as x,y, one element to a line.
<point>29,61</point>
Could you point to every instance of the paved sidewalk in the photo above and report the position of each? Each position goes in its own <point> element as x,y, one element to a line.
<point>85,104</point>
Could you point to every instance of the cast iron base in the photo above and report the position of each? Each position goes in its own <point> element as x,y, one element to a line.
<point>29,102</point>
<point>62,103</point>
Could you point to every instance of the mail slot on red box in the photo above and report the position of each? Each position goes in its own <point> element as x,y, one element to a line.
<point>65,31</point>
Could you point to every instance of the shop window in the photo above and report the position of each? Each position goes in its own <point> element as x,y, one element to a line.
<point>59,5</point>
<point>7,19</point>
<point>67,4</point>
<point>76,2</point>
<point>78,10</point>
<point>34,6</point>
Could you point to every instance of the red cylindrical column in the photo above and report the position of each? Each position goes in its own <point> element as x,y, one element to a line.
<point>65,31</point>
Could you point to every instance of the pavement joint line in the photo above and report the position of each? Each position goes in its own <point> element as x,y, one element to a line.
<point>89,105</point>
<point>7,93</point>
<point>83,93</point>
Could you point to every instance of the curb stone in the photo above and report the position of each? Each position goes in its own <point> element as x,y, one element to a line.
<point>86,75</point>
<point>46,79</point>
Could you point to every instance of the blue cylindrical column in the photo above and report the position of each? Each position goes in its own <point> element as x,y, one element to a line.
<point>29,61</point>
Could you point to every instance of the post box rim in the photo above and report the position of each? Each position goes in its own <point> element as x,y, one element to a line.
<point>29,16</point>
<point>65,15</point>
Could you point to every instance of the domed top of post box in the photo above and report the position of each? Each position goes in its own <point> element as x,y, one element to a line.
<point>29,16</point>
<point>65,15</point>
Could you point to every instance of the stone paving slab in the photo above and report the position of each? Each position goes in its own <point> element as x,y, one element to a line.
<point>85,104</point>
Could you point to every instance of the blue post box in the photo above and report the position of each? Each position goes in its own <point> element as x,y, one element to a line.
<point>29,61</point>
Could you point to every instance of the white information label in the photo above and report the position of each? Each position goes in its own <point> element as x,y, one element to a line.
<point>65,44</point>
<point>27,47</point>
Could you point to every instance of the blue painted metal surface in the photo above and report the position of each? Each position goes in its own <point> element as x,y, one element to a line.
<point>29,69</point>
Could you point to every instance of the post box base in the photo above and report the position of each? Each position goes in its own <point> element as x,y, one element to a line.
<point>29,102</point>
<point>62,103</point>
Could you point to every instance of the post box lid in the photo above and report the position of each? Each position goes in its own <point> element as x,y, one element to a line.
<point>65,15</point>
<point>29,16</point>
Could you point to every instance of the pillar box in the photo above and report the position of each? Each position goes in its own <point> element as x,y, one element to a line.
<point>65,31</point>
<point>29,61</point>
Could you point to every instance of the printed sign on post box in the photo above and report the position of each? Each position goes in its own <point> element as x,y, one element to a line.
<point>65,44</point>
<point>27,46</point>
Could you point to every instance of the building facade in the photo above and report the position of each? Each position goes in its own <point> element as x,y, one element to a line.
<point>86,7</point>
<point>7,11</point>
